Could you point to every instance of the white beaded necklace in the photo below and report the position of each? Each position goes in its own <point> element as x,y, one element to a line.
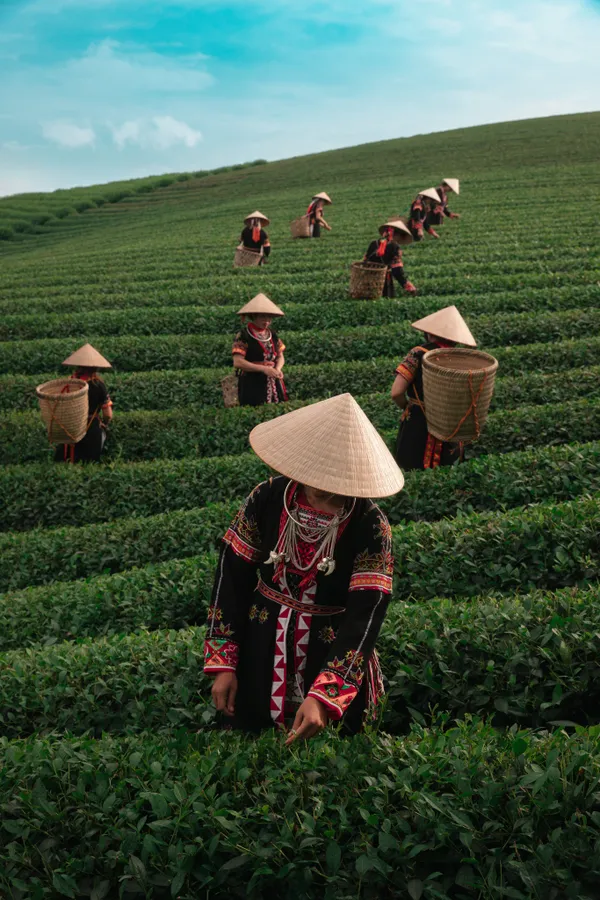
<point>286,548</point>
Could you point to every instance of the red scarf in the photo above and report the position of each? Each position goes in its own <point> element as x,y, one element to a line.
<point>256,234</point>
<point>388,235</point>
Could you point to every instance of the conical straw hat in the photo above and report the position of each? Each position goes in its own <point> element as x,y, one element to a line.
<point>257,215</point>
<point>323,196</point>
<point>330,446</point>
<point>453,184</point>
<point>449,324</point>
<point>260,304</point>
<point>405,236</point>
<point>87,356</point>
<point>431,193</point>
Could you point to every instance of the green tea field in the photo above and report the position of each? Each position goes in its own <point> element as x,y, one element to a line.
<point>483,778</point>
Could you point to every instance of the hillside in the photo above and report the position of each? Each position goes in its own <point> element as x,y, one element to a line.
<point>477,783</point>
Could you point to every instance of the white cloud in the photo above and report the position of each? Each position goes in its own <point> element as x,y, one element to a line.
<point>110,69</point>
<point>157,133</point>
<point>13,146</point>
<point>128,132</point>
<point>68,135</point>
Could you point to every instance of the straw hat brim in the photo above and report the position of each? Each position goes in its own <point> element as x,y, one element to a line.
<point>261,304</point>
<point>87,356</point>
<point>403,233</point>
<point>453,184</point>
<point>323,196</point>
<point>257,215</point>
<point>447,324</point>
<point>330,446</point>
<point>432,194</point>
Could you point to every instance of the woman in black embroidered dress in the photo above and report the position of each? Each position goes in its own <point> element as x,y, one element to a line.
<point>416,448</point>
<point>258,355</point>
<point>87,361</point>
<point>305,577</point>
<point>420,209</point>
<point>315,214</point>
<point>440,210</point>
<point>387,251</point>
<point>254,237</point>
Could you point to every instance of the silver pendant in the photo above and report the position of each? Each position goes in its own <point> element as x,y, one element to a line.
<point>327,565</point>
<point>275,558</point>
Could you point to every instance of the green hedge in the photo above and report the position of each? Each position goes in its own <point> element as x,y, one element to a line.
<point>299,316</point>
<point>165,390</point>
<point>545,545</point>
<point>219,432</point>
<point>489,815</point>
<point>170,595</point>
<point>45,495</point>
<point>529,660</point>
<point>188,352</point>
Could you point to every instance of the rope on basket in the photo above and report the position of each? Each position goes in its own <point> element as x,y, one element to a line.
<point>472,408</point>
<point>66,390</point>
<point>53,418</point>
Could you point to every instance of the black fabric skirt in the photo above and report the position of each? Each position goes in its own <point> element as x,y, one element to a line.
<point>89,448</point>
<point>252,389</point>
<point>411,443</point>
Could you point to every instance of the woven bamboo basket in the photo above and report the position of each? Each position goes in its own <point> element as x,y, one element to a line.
<point>367,280</point>
<point>64,407</point>
<point>300,228</point>
<point>457,389</point>
<point>244,257</point>
<point>229,386</point>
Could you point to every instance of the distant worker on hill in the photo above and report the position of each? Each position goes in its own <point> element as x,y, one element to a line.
<point>305,577</point>
<point>86,362</point>
<point>258,355</point>
<point>315,213</point>
<point>440,211</point>
<point>387,250</point>
<point>415,447</point>
<point>421,207</point>
<point>254,237</point>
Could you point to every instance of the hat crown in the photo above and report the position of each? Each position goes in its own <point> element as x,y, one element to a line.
<point>322,196</point>
<point>257,215</point>
<point>331,446</point>
<point>87,356</point>
<point>453,184</point>
<point>447,323</point>
<point>431,193</point>
<point>260,304</point>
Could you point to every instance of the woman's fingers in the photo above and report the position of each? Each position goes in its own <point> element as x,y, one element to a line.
<point>230,700</point>
<point>303,730</point>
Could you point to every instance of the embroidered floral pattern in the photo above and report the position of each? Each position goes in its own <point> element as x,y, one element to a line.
<point>261,614</point>
<point>220,655</point>
<point>374,571</point>
<point>350,668</point>
<point>222,630</point>
<point>327,634</point>
<point>215,614</point>
<point>331,690</point>
<point>243,535</point>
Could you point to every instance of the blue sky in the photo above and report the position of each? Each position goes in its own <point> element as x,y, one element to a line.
<point>98,90</point>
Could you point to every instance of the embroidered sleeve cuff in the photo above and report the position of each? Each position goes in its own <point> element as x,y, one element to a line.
<point>406,373</point>
<point>220,655</point>
<point>240,547</point>
<point>239,351</point>
<point>371,581</point>
<point>333,692</point>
